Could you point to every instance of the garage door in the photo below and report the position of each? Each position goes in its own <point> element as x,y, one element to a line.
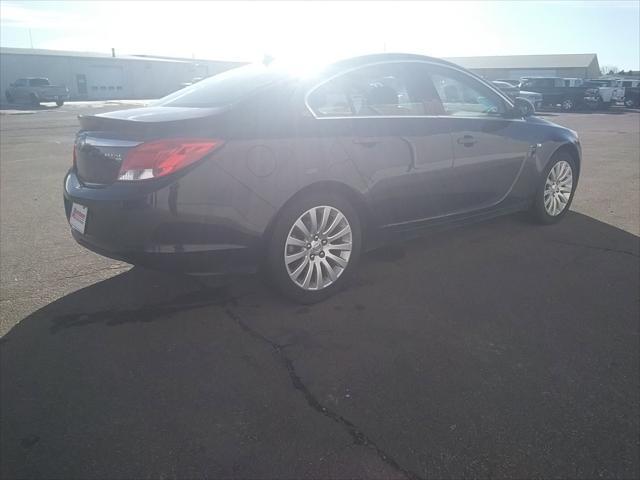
<point>105,82</point>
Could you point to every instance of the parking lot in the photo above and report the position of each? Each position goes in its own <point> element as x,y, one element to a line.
<point>501,349</point>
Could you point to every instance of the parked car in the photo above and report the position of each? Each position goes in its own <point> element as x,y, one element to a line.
<point>510,81</point>
<point>191,82</point>
<point>631,88</point>
<point>568,94</point>
<point>259,167</point>
<point>514,92</point>
<point>509,89</point>
<point>608,92</point>
<point>36,90</point>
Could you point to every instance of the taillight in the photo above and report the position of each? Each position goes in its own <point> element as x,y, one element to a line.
<point>163,157</point>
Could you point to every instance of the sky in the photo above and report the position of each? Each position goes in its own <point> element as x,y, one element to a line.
<point>321,31</point>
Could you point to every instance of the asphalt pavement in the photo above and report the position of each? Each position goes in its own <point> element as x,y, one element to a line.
<point>501,349</point>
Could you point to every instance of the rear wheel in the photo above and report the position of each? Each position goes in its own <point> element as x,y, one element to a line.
<point>33,99</point>
<point>629,103</point>
<point>567,105</point>
<point>9,97</point>
<point>59,102</point>
<point>555,192</point>
<point>314,247</point>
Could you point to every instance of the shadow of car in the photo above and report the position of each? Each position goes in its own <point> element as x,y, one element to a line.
<point>490,350</point>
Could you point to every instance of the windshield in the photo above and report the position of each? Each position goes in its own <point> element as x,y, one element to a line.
<point>223,89</point>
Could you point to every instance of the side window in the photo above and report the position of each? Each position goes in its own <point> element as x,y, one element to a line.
<point>463,96</point>
<point>388,89</point>
<point>21,82</point>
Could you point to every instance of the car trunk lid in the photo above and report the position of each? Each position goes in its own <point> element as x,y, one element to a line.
<point>105,139</point>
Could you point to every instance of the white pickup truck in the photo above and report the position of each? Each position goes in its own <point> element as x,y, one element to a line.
<point>609,93</point>
<point>35,90</point>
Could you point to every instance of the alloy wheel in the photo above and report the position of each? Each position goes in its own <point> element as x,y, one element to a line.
<point>558,188</point>
<point>318,247</point>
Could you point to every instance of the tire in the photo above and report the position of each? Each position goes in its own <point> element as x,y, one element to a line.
<point>9,97</point>
<point>629,103</point>
<point>59,102</point>
<point>34,100</point>
<point>542,213</point>
<point>316,256</point>
<point>567,104</point>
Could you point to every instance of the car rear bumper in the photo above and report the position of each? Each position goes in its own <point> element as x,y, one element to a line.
<point>212,260</point>
<point>51,97</point>
<point>147,225</point>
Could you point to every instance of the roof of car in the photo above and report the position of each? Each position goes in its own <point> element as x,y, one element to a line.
<point>387,57</point>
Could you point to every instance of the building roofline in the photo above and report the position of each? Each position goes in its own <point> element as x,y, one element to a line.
<point>103,56</point>
<point>556,60</point>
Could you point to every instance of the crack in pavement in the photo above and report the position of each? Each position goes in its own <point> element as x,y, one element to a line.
<point>596,247</point>
<point>358,436</point>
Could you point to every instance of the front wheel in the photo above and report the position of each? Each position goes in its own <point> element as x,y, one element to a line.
<point>59,102</point>
<point>314,247</point>
<point>9,97</point>
<point>555,191</point>
<point>629,103</point>
<point>33,99</point>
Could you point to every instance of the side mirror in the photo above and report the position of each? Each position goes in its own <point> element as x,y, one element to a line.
<point>524,107</point>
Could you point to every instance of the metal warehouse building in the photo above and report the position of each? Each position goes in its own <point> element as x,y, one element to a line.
<point>581,65</point>
<point>96,76</point>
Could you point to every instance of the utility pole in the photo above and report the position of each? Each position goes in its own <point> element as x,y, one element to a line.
<point>30,39</point>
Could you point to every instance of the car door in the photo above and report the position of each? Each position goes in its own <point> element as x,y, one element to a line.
<point>402,152</point>
<point>20,89</point>
<point>490,149</point>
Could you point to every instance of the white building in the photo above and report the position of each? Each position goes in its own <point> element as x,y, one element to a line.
<point>97,76</point>
<point>575,65</point>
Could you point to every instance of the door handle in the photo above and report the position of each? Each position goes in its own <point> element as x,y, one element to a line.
<point>467,141</point>
<point>365,142</point>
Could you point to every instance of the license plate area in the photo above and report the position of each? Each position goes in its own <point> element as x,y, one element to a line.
<point>78,217</point>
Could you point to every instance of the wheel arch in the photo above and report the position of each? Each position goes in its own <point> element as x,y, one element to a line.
<point>571,149</point>
<point>352,195</point>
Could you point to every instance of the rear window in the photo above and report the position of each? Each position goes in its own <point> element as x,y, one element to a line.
<point>223,89</point>
<point>38,82</point>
